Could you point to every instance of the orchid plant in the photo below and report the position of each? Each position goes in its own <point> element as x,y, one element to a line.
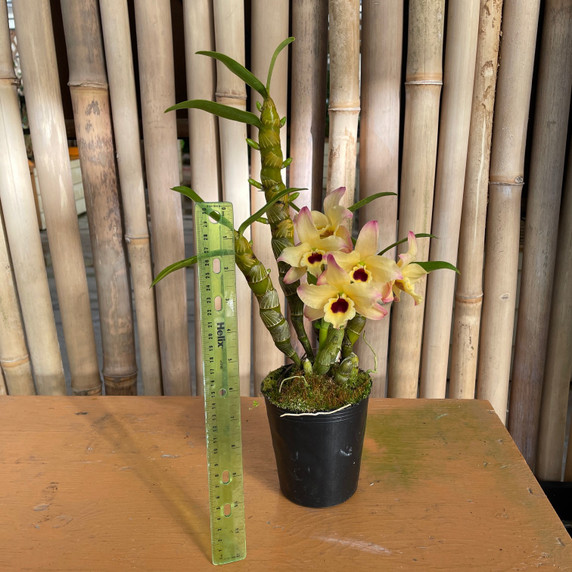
<point>332,280</point>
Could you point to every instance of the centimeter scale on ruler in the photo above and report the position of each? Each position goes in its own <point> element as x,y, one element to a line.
<point>214,233</point>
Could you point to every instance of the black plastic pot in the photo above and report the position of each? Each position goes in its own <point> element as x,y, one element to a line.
<point>318,456</point>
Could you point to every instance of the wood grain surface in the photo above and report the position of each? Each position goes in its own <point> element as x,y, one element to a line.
<point>120,483</point>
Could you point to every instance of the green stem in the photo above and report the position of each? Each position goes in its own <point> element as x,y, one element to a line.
<point>347,370</point>
<point>328,351</point>
<point>354,329</point>
<point>261,285</point>
<point>281,225</point>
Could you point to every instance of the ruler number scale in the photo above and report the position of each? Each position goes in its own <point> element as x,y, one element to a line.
<point>219,336</point>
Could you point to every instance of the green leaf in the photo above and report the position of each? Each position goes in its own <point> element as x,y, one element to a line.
<point>437,265</point>
<point>189,193</point>
<point>277,51</point>
<point>367,200</point>
<point>172,267</point>
<point>220,110</point>
<point>418,235</point>
<point>239,70</point>
<point>261,211</point>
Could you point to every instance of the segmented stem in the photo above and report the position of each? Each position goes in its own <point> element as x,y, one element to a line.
<point>269,304</point>
<point>278,215</point>
<point>347,370</point>
<point>328,352</point>
<point>354,328</point>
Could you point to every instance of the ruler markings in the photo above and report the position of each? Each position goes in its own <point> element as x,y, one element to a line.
<point>219,335</point>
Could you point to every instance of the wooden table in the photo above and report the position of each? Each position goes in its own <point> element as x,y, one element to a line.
<point>119,483</point>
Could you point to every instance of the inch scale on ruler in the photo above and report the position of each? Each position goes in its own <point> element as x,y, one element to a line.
<point>219,336</point>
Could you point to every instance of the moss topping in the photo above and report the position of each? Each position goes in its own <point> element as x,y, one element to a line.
<point>289,388</point>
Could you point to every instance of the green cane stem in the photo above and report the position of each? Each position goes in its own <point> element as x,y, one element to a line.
<point>354,328</point>
<point>261,285</point>
<point>278,215</point>
<point>328,351</point>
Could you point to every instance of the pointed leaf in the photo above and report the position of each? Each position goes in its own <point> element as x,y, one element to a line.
<point>175,266</point>
<point>367,200</point>
<point>277,51</point>
<point>220,110</point>
<point>189,193</point>
<point>239,70</point>
<point>418,235</point>
<point>262,210</point>
<point>436,265</point>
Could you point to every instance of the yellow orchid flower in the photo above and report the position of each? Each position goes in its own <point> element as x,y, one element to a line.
<point>337,299</point>
<point>364,265</point>
<point>334,219</point>
<point>309,254</point>
<point>411,273</point>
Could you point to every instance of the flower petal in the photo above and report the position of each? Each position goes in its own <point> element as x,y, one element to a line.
<point>339,310</point>
<point>316,296</point>
<point>344,233</point>
<point>333,198</point>
<point>366,243</point>
<point>295,273</point>
<point>313,313</point>
<point>334,275</point>
<point>411,253</point>
<point>292,255</point>
<point>383,269</point>
<point>366,299</point>
<point>304,226</point>
<point>321,221</point>
<point>347,260</point>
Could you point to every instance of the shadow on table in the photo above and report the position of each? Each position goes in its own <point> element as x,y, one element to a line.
<point>191,515</point>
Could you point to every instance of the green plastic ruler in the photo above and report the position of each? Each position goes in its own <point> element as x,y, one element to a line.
<point>219,336</point>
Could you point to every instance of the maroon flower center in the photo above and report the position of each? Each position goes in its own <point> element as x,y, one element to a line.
<point>360,275</point>
<point>340,306</point>
<point>314,258</point>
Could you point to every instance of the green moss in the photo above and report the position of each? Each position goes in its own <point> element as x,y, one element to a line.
<point>289,388</point>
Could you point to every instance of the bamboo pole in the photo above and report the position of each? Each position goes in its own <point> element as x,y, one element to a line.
<point>541,231</point>
<point>558,370</point>
<point>308,99</point>
<point>382,30</point>
<point>230,90</point>
<point>269,26</point>
<point>51,155</point>
<point>14,357</point>
<point>520,22</point>
<point>308,81</point>
<point>92,118</point>
<point>119,61</point>
<point>17,196</point>
<point>469,293</point>
<point>460,56</point>
<point>157,84</point>
<point>344,103</point>
<point>423,83</point>
<point>203,140</point>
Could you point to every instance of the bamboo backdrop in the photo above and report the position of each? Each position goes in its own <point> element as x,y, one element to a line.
<point>413,140</point>
<point>382,38</point>
<point>229,22</point>
<point>25,245</point>
<point>92,118</point>
<point>269,26</point>
<point>116,33</point>
<point>423,81</point>
<point>462,27</point>
<point>469,291</point>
